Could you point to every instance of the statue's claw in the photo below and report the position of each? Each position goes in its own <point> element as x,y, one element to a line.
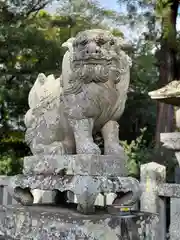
<point>88,147</point>
<point>113,148</point>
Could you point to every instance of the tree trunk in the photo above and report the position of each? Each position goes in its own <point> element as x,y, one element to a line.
<point>167,71</point>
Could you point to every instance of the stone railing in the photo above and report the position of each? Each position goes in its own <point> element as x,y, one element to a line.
<point>5,197</point>
<point>155,192</point>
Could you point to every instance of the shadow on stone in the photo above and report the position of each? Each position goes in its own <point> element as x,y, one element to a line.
<point>23,195</point>
<point>123,198</point>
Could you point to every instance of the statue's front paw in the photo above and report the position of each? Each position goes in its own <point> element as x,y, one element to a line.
<point>56,148</point>
<point>88,148</point>
<point>113,149</point>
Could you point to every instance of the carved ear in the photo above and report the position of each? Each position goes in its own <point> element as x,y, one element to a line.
<point>123,44</point>
<point>69,43</point>
<point>41,78</point>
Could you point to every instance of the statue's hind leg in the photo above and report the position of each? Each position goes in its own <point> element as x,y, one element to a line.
<point>110,133</point>
<point>69,144</point>
<point>83,136</point>
<point>55,146</point>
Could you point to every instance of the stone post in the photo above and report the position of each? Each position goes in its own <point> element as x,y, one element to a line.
<point>172,141</point>
<point>175,212</point>
<point>153,174</point>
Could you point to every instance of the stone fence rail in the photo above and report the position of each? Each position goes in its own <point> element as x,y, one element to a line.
<point>5,197</point>
<point>155,192</point>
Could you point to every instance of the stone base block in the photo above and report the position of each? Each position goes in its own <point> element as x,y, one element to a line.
<point>171,140</point>
<point>85,188</point>
<point>79,164</point>
<point>52,223</point>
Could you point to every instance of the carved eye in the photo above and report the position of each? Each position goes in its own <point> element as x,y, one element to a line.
<point>84,42</point>
<point>112,42</point>
<point>100,41</point>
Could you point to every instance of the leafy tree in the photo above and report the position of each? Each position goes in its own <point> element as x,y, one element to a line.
<point>138,122</point>
<point>137,153</point>
<point>38,50</point>
<point>159,27</point>
<point>31,43</point>
<point>28,45</point>
<point>20,9</point>
<point>84,14</point>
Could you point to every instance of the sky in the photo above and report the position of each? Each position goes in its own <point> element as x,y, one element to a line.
<point>110,4</point>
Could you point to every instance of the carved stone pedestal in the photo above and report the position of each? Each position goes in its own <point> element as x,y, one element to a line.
<point>52,223</point>
<point>84,175</point>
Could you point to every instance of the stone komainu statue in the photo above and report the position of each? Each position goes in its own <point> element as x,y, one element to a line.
<point>89,96</point>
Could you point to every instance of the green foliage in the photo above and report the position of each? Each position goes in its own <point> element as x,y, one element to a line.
<point>21,8</point>
<point>28,45</point>
<point>12,149</point>
<point>137,152</point>
<point>27,48</point>
<point>162,8</point>
<point>30,42</point>
<point>10,164</point>
<point>86,14</point>
<point>140,110</point>
<point>116,32</point>
<point>144,72</point>
<point>151,66</point>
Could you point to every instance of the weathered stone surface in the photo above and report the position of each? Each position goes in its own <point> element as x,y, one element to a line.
<point>177,154</point>
<point>169,190</point>
<point>86,188</point>
<point>65,113</point>
<point>43,222</point>
<point>175,211</point>
<point>89,97</point>
<point>169,94</point>
<point>153,175</point>
<point>175,219</point>
<point>79,164</point>
<point>171,140</point>
<point>177,117</point>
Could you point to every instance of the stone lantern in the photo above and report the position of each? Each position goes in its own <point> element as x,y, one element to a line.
<point>170,94</point>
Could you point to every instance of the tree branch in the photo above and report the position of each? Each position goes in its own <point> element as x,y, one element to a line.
<point>37,6</point>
